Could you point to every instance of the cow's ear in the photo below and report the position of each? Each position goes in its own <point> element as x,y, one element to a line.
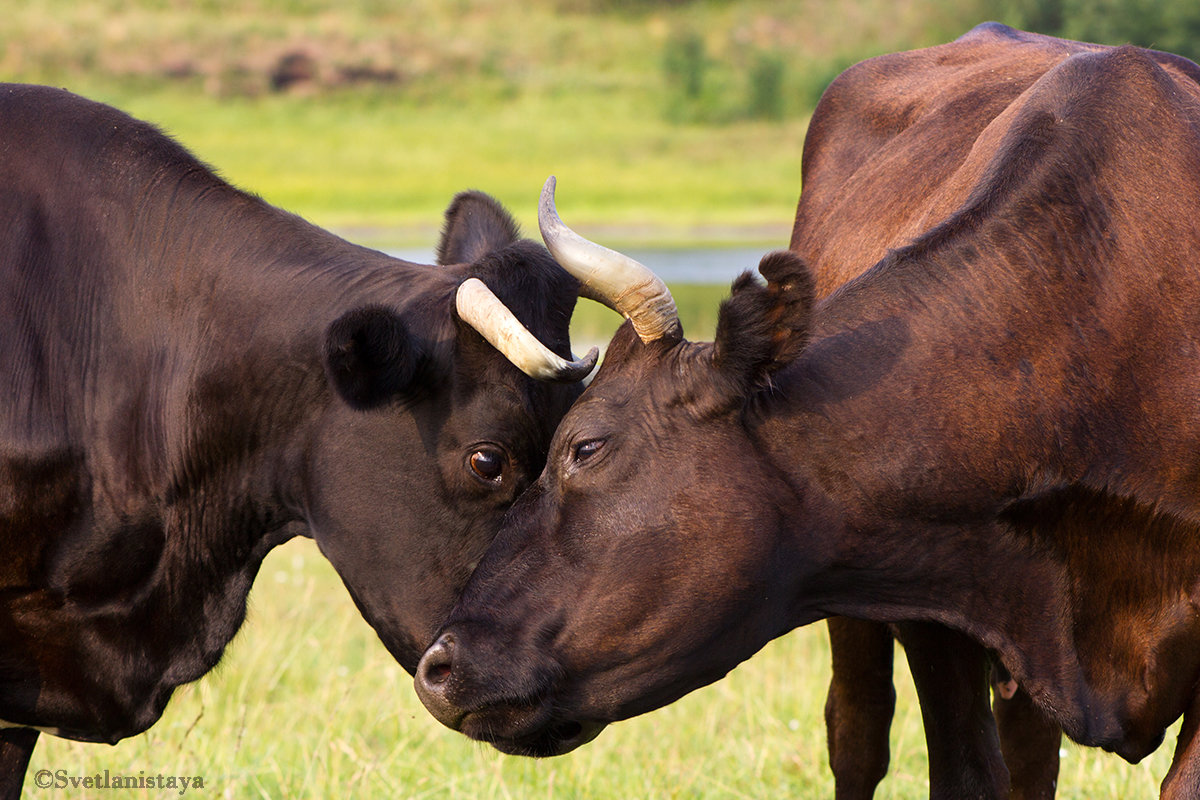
<point>370,357</point>
<point>476,224</point>
<point>760,328</point>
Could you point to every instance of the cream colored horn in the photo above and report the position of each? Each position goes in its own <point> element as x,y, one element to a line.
<point>482,310</point>
<point>609,277</point>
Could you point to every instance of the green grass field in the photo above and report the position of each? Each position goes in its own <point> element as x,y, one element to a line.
<point>382,175</point>
<point>308,704</point>
<point>487,94</point>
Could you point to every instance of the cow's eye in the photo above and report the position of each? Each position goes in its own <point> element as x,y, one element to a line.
<point>585,450</point>
<point>488,464</point>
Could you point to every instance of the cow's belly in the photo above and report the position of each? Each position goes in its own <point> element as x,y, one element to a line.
<point>102,676</point>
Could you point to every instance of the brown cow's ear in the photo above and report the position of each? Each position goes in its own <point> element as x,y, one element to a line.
<point>476,224</point>
<point>369,356</point>
<point>763,328</point>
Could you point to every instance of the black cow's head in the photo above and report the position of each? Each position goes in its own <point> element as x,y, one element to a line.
<point>431,433</point>
<point>620,579</point>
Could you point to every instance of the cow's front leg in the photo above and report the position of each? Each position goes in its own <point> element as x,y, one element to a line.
<point>16,747</point>
<point>1183,778</point>
<point>859,707</point>
<point>951,671</point>
<point>1030,742</point>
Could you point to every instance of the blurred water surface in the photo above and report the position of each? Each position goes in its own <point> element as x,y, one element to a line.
<point>715,265</point>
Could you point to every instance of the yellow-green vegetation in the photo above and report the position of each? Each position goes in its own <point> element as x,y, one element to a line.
<point>677,121</point>
<point>366,116</point>
<point>308,704</point>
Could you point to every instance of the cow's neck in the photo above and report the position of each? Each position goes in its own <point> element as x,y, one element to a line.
<point>251,307</point>
<point>190,471</point>
<point>945,501</point>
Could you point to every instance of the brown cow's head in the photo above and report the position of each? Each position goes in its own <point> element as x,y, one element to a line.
<point>620,580</point>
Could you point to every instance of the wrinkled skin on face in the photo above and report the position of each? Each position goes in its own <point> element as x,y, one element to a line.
<point>601,571</point>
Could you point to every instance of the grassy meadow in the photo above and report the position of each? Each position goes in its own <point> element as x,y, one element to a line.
<point>666,122</point>
<point>671,122</point>
<point>308,704</point>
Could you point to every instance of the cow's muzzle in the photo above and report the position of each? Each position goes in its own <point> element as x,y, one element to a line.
<point>515,722</point>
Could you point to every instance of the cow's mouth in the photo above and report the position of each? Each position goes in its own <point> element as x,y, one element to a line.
<point>553,739</point>
<point>516,716</point>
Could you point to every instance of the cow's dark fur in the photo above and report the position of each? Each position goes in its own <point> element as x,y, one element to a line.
<point>993,428</point>
<point>191,377</point>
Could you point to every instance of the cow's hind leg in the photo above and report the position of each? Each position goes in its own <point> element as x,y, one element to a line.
<point>859,707</point>
<point>951,672</point>
<point>16,746</point>
<point>1030,742</point>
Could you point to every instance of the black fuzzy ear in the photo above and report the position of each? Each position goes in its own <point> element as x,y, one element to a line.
<point>369,356</point>
<point>760,328</point>
<point>476,224</point>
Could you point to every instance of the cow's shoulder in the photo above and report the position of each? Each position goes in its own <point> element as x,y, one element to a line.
<point>962,85</point>
<point>890,131</point>
<point>1094,129</point>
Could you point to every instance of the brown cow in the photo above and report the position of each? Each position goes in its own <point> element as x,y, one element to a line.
<point>993,428</point>
<point>883,145</point>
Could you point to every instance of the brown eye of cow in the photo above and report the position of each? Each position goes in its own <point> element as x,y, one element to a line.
<point>585,450</point>
<point>488,464</point>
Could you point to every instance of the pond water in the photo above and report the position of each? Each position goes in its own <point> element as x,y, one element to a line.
<point>714,265</point>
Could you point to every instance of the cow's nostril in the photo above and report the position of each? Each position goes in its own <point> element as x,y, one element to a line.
<point>438,662</point>
<point>433,677</point>
<point>437,673</point>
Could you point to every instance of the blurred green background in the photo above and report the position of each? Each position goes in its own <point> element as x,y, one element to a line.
<point>667,121</point>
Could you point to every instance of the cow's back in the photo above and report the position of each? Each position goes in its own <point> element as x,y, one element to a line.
<point>886,152</point>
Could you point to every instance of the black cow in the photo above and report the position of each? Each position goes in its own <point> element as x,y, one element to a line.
<point>994,428</point>
<point>192,377</point>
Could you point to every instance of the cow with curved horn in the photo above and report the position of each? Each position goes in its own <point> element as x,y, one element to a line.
<point>992,428</point>
<point>192,377</point>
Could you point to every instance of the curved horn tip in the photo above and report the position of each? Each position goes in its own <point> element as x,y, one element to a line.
<point>482,310</point>
<point>562,370</point>
<point>610,277</point>
<point>579,369</point>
